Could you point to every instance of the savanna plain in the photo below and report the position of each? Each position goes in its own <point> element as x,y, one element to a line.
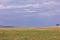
<point>48,33</point>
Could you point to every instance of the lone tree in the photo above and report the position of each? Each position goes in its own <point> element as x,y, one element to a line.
<point>57,24</point>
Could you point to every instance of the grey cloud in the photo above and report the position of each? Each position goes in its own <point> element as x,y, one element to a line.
<point>30,9</point>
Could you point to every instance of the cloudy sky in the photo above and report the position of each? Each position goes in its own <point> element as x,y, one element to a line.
<point>29,12</point>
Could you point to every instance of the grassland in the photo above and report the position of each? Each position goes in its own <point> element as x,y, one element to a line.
<point>30,33</point>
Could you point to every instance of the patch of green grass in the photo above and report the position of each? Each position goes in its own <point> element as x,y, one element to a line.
<point>30,35</point>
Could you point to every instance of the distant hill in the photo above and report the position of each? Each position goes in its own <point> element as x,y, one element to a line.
<point>6,26</point>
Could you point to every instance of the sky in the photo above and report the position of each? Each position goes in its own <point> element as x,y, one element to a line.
<point>29,12</point>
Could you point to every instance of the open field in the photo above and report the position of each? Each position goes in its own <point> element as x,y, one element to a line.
<point>50,33</point>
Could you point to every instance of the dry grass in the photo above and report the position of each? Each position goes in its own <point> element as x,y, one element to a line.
<point>49,33</point>
<point>44,28</point>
